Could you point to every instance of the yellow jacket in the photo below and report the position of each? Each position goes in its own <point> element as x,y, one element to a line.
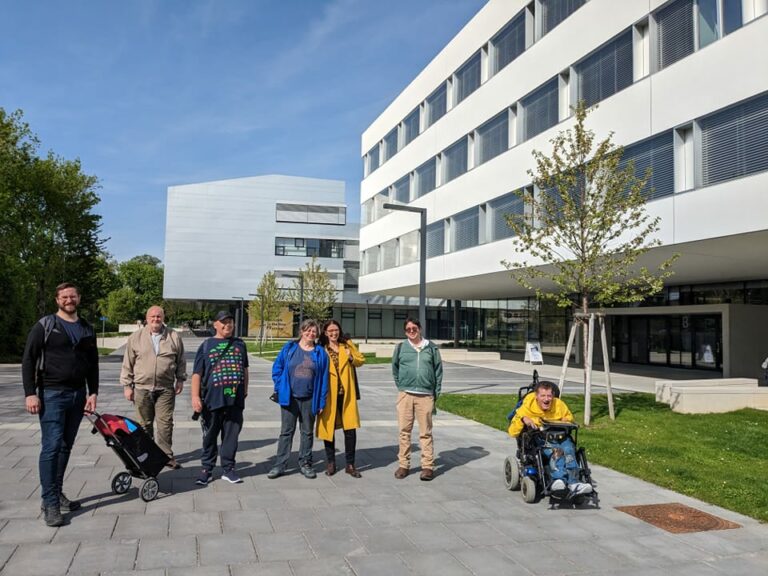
<point>349,356</point>
<point>557,411</point>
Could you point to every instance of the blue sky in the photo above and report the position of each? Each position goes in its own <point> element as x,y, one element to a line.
<point>153,93</point>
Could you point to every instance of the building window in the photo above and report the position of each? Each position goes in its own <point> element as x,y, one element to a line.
<point>454,160</point>
<point>367,210</point>
<point>733,18</point>
<point>436,105</point>
<point>540,109</point>
<point>467,78</point>
<point>436,239</point>
<point>390,144</point>
<point>389,254</point>
<point>307,214</point>
<point>656,153</point>
<point>371,260</point>
<point>378,204</point>
<point>708,26</point>
<point>607,71</point>
<point>498,209</point>
<point>307,247</point>
<point>509,43</point>
<point>734,141</point>
<point>411,127</point>
<point>402,190</point>
<point>409,248</point>
<point>674,37</point>
<point>425,178</point>
<point>465,230</point>
<point>492,138</point>
<point>351,276</point>
<point>373,159</point>
<point>555,11</point>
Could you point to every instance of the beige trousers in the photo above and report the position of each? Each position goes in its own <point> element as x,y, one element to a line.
<point>157,406</point>
<point>410,407</point>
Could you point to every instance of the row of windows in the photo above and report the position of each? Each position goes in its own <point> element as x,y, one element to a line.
<point>727,144</point>
<point>309,247</point>
<point>310,214</point>
<point>607,70</point>
<point>489,60</point>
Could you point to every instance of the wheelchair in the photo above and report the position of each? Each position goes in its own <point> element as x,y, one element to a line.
<point>528,470</point>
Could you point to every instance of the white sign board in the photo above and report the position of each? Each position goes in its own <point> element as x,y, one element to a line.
<point>533,353</point>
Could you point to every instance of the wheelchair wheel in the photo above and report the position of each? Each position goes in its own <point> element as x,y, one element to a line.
<point>585,473</point>
<point>528,488</point>
<point>511,473</point>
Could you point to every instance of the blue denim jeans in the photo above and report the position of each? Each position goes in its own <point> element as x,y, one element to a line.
<point>60,414</point>
<point>299,409</point>
<point>563,465</point>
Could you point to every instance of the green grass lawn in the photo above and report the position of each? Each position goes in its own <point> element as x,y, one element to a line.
<point>106,351</point>
<point>271,350</point>
<point>718,458</point>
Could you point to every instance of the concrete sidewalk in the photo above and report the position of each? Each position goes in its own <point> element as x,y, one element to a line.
<point>464,522</point>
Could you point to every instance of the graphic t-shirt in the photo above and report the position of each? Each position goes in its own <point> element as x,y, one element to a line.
<point>301,370</point>
<point>223,385</point>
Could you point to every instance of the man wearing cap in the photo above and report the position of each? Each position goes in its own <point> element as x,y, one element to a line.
<point>219,387</point>
<point>152,375</point>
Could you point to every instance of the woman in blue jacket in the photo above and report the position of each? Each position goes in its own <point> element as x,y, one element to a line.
<point>300,376</point>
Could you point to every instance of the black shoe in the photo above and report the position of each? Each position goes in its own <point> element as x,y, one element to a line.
<point>308,471</point>
<point>68,505</point>
<point>53,517</point>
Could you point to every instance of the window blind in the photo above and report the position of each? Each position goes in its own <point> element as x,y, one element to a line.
<point>436,239</point>
<point>656,153</point>
<point>493,137</point>
<point>607,71</point>
<point>540,109</point>
<point>499,208</point>
<point>390,144</point>
<point>425,178</point>
<point>436,105</point>
<point>509,43</point>
<point>466,229</point>
<point>411,126</point>
<point>455,160</point>
<point>555,11</point>
<point>468,78</point>
<point>674,37</point>
<point>402,192</point>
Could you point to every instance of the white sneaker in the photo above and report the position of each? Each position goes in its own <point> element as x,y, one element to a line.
<point>557,486</point>
<point>580,488</point>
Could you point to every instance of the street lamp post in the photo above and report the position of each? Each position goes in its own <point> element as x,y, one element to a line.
<point>240,322</point>
<point>422,258</point>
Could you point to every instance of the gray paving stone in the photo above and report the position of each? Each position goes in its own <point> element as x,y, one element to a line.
<point>343,516</point>
<point>293,520</point>
<point>433,537</point>
<point>23,531</point>
<point>129,503</point>
<point>384,539</point>
<point>391,515</point>
<point>158,572</point>
<point>541,558</point>
<point>263,498</point>
<point>263,569</point>
<point>322,567</point>
<point>477,533</point>
<point>172,503</point>
<point>282,546</point>
<point>431,563</point>
<point>189,523</point>
<point>141,526</point>
<point>246,521</point>
<point>199,571</point>
<point>86,528</point>
<point>334,543</point>
<point>343,496</point>
<point>167,553</point>
<point>97,557</point>
<point>5,552</point>
<point>303,498</point>
<point>18,509</point>
<point>221,549</point>
<point>488,562</point>
<point>379,565</point>
<point>204,502</point>
<point>40,560</point>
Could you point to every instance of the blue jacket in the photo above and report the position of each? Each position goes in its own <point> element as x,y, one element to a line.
<point>280,376</point>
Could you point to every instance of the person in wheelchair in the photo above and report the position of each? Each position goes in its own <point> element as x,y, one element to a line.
<point>540,407</point>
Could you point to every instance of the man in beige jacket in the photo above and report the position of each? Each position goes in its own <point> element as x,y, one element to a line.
<point>153,375</point>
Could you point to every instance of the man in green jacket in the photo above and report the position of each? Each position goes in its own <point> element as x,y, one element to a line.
<point>418,373</point>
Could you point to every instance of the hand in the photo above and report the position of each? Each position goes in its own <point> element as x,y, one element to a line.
<point>32,404</point>
<point>90,403</point>
<point>128,393</point>
<point>179,386</point>
<point>530,423</point>
<point>197,404</point>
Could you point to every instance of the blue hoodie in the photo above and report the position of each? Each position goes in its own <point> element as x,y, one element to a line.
<point>280,375</point>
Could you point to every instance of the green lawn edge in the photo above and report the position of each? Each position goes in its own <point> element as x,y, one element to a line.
<point>716,458</point>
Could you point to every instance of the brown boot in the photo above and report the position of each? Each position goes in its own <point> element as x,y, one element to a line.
<point>401,473</point>
<point>330,468</point>
<point>427,474</point>
<point>352,471</point>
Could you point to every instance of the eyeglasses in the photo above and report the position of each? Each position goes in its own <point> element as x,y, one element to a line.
<point>412,329</point>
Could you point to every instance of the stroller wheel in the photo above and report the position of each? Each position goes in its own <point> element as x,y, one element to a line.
<point>149,489</point>
<point>121,483</point>
<point>529,489</point>
<point>511,473</point>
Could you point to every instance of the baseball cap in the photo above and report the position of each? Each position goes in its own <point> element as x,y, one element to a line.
<point>222,315</point>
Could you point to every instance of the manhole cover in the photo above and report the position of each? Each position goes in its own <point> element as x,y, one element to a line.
<point>678,518</point>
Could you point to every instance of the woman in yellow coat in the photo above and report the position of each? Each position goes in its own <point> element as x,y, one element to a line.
<point>343,393</point>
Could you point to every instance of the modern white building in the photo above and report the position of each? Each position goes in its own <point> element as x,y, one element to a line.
<point>222,237</point>
<point>682,84</point>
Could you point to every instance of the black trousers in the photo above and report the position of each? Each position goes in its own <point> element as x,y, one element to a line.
<point>226,422</point>
<point>350,440</point>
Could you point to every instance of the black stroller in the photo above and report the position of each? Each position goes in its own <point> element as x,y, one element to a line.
<point>141,456</point>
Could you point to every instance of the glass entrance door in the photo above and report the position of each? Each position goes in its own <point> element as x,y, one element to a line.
<point>707,342</point>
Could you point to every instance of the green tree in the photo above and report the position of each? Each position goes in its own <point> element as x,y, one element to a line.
<point>140,280</point>
<point>583,233</point>
<point>269,301</point>
<point>48,230</point>
<point>319,293</point>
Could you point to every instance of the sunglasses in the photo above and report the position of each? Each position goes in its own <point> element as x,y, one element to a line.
<point>412,329</point>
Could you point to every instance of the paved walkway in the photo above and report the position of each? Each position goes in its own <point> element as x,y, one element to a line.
<point>464,522</point>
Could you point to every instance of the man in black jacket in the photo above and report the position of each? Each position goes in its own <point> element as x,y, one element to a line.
<point>60,358</point>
